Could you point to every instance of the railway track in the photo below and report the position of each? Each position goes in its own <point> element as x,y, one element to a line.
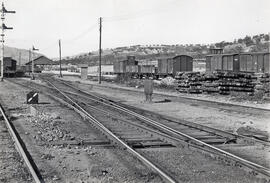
<point>203,139</point>
<point>215,104</point>
<point>221,136</point>
<point>21,148</point>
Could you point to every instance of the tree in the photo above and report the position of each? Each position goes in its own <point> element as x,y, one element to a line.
<point>248,41</point>
<point>266,37</point>
<point>240,40</point>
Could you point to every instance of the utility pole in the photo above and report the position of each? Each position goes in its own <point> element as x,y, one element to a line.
<point>269,44</point>
<point>29,57</point>
<point>100,29</point>
<point>3,28</point>
<point>60,57</point>
<point>20,57</point>
<point>33,49</point>
<point>269,61</point>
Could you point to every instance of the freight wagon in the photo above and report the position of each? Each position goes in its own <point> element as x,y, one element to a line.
<point>9,67</point>
<point>170,66</point>
<point>148,68</point>
<point>248,62</point>
<point>28,68</point>
<point>162,67</point>
<point>128,66</point>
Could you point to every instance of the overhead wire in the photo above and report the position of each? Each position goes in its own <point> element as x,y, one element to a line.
<point>92,27</point>
<point>105,19</point>
<point>70,41</point>
<point>137,14</point>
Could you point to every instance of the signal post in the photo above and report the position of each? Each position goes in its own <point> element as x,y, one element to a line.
<point>3,11</point>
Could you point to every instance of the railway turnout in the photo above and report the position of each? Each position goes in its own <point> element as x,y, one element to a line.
<point>130,130</point>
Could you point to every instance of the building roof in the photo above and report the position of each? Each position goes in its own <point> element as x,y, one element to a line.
<point>242,53</point>
<point>172,57</point>
<point>8,59</point>
<point>42,60</point>
<point>83,65</point>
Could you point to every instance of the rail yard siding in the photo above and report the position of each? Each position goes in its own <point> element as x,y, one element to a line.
<point>250,62</point>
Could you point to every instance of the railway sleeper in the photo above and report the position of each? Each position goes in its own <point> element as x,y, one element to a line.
<point>195,133</point>
<point>133,132</point>
<point>139,145</point>
<point>215,141</point>
<point>201,137</point>
<point>136,136</point>
<point>142,140</point>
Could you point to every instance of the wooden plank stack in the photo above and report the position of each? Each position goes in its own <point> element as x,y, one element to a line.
<point>235,81</point>
<point>262,83</point>
<point>222,82</point>
<point>190,82</point>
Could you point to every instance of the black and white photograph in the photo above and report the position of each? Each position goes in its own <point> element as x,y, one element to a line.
<point>135,91</point>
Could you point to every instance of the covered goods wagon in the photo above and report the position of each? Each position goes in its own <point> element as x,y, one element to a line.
<point>173,65</point>
<point>249,62</point>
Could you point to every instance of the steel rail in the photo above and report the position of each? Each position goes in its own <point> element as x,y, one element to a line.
<point>262,169</point>
<point>189,98</point>
<point>128,148</point>
<point>193,125</point>
<point>247,163</point>
<point>236,135</point>
<point>19,146</point>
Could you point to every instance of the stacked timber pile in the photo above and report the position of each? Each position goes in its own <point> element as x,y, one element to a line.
<point>222,82</point>
<point>211,84</point>
<point>190,82</point>
<point>235,81</point>
<point>262,83</point>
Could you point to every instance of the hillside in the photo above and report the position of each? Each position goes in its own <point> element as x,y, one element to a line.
<point>254,43</point>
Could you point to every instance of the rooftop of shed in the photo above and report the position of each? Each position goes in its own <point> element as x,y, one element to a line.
<point>42,60</point>
<point>244,53</point>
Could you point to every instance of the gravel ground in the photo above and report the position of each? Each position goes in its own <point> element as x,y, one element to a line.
<point>52,134</point>
<point>196,112</point>
<point>12,167</point>
<point>53,131</point>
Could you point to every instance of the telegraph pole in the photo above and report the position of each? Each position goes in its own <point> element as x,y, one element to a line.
<point>29,57</point>
<point>33,49</point>
<point>20,57</point>
<point>100,29</point>
<point>269,61</point>
<point>60,57</point>
<point>3,28</point>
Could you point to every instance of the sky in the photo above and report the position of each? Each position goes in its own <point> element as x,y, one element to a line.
<point>130,22</point>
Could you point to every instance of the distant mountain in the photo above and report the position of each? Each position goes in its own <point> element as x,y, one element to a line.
<point>16,52</point>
